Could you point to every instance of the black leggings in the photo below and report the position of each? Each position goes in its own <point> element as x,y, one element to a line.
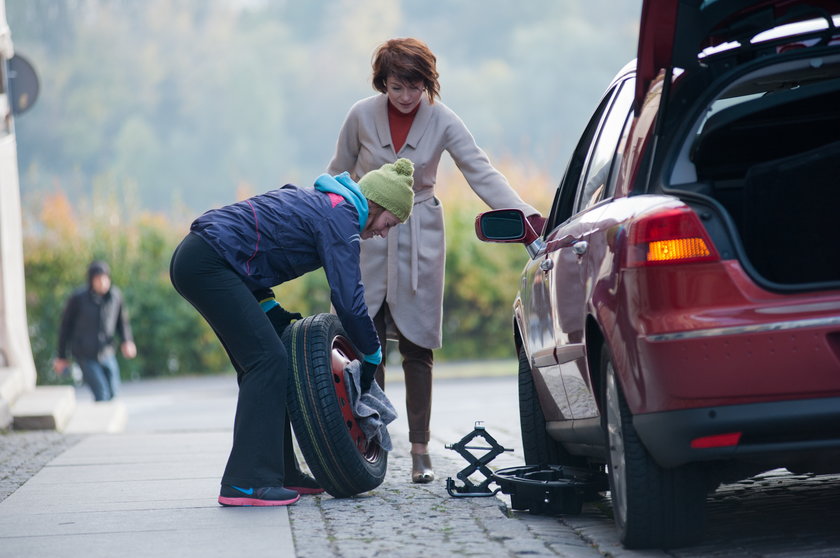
<point>201,276</point>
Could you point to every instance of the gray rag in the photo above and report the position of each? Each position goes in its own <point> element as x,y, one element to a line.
<point>372,409</point>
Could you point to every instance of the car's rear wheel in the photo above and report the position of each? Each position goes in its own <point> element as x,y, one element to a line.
<point>343,461</point>
<point>539,448</point>
<point>652,506</point>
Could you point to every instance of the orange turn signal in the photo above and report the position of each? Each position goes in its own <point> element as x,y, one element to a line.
<point>667,237</point>
<point>677,249</point>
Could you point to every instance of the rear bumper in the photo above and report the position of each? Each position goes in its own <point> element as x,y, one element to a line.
<point>769,431</point>
<point>705,335</point>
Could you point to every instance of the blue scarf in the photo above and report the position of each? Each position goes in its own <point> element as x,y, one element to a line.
<point>344,186</point>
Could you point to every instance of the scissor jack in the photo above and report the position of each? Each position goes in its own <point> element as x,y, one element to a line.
<point>541,489</point>
<point>477,464</point>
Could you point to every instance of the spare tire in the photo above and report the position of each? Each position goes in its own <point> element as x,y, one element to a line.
<point>338,454</point>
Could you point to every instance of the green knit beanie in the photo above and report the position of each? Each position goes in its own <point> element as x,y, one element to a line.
<point>390,186</point>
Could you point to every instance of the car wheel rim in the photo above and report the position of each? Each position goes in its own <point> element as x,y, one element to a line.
<point>341,354</point>
<point>615,437</point>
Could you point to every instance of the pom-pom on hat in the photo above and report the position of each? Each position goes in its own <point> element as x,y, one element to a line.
<point>390,186</point>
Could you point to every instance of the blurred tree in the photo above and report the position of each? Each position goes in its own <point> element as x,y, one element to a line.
<point>152,112</point>
<point>481,279</point>
<point>172,338</point>
<point>189,99</point>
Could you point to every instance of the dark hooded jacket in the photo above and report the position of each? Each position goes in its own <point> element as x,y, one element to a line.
<point>91,321</point>
<point>280,235</point>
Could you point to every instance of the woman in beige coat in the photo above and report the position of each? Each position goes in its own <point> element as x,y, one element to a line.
<point>403,273</point>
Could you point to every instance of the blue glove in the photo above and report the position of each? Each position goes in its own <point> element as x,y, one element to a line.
<point>369,365</point>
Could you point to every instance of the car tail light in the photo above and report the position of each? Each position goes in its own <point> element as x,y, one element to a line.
<point>668,237</point>
<point>717,441</point>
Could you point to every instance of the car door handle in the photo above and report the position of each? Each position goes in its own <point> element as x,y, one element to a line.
<point>580,247</point>
<point>567,240</point>
<point>547,264</point>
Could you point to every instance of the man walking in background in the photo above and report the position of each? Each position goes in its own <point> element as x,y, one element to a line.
<point>93,316</point>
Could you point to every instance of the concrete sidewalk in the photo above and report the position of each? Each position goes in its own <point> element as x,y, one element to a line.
<point>148,491</point>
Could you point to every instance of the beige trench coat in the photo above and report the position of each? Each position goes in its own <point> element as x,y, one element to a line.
<point>406,269</point>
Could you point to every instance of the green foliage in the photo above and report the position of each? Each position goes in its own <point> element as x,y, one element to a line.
<point>191,104</point>
<point>481,282</point>
<point>172,338</point>
<point>482,278</point>
<point>170,335</point>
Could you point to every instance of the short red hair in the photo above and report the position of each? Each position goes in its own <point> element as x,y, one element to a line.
<point>408,60</point>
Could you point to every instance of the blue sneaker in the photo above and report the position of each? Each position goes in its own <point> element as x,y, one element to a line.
<point>267,496</point>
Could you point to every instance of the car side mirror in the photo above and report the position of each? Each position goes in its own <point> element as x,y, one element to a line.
<point>507,225</point>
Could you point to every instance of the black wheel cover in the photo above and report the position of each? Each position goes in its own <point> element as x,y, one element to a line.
<point>335,449</point>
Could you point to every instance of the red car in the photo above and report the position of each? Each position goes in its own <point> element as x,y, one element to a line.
<point>679,318</point>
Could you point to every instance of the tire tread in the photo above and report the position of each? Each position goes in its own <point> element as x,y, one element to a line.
<point>323,436</point>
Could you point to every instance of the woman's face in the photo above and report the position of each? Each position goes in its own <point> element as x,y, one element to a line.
<point>379,223</point>
<point>404,96</point>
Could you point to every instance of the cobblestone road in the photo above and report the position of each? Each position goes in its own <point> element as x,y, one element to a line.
<point>22,454</point>
<point>411,520</point>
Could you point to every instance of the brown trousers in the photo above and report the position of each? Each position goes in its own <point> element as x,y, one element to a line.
<point>417,363</point>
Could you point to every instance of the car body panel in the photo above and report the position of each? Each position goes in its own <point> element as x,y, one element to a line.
<point>722,341</point>
<point>685,281</point>
<point>699,347</point>
<point>665,325</point>
<point>569,292</point>
<point>656,39</point>
<point>673,32</point>
<point>553,291</point>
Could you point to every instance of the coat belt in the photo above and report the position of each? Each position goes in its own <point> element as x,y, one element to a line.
<point>393,242</point>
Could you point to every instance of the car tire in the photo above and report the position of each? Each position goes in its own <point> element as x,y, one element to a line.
<point>538,447</point>
<point>331,441</point>
<point>652,506</point>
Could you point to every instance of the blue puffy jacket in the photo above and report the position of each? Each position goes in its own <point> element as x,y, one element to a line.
<point>280,235</point>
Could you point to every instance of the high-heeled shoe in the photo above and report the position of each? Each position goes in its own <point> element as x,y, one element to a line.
<point>421,468</point>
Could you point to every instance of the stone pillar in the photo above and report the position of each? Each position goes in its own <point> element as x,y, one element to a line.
<point>17,369</point>
<point>15,351</point>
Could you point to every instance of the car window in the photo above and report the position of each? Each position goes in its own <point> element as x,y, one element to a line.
<point>622,142</point>
<point>594,185</point>
<point>564,198</point>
